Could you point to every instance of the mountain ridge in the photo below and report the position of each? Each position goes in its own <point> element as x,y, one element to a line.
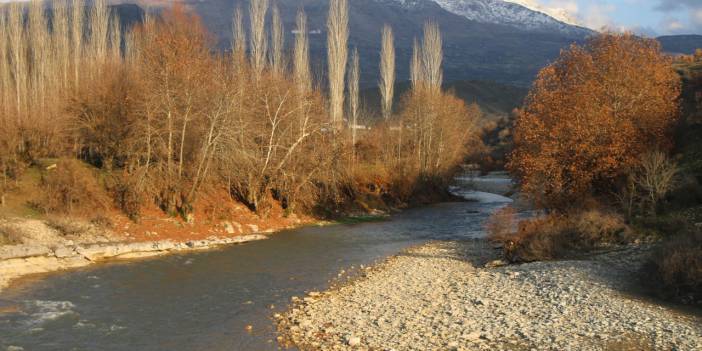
<point>473,50</point>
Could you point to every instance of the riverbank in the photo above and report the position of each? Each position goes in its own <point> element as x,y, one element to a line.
<point>55,245</point>
<point>48,245</point>
<point>439,296</point>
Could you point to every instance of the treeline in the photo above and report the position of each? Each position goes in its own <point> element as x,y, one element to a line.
<point>164,117</point>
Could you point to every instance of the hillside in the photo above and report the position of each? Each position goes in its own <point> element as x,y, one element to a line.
<point>681,44</point>
<point>495,100</point>
<point>473,50</point>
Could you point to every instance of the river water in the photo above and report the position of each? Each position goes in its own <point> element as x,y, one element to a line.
<point>206,300</point>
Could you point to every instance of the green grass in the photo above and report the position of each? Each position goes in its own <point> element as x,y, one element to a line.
<point>361,219</point>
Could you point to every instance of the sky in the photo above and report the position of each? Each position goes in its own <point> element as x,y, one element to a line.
<point>649,17</point>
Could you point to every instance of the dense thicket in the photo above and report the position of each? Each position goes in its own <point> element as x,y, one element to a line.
<point>164,117</point>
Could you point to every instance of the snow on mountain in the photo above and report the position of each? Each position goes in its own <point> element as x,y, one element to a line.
<point>562,11</point>
<point>513,13</point>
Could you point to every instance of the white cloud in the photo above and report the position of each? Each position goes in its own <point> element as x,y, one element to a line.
<point>599,16</point>
<point>697,17</point>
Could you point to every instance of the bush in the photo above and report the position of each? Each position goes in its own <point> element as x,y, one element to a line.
<point>502,224</point>
<point>675,270</point>
<point>67,227</point>
<point>10,235</point>
<point>668,225</point>
<point>557,236</point>
<point>71,188</point>
<point>127,196</point>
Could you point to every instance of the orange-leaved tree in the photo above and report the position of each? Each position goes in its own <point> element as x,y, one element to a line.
<point>590,115</point>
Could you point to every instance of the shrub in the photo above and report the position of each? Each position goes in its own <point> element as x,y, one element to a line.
<point>102,221</point>
<point>594,228</point>
<point>502,224</point>
<point>71,188</point>
<point>10,235</point>
<point>675,270</point>
<point>655,178</point>
<point>127,196</point>
<point>537,239</point>
<point>556,236</point>
<point>67,227</point>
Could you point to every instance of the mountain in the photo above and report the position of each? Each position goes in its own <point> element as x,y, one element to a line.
<point>681,44</point>
<point>511,14</point>
<point>474,50</point>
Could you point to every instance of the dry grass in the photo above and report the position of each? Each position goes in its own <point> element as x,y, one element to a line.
<point>675,271</point>
<point>10,235</point>
<point>71,188</point>
<point>556,236</point>
<point>67,226</point>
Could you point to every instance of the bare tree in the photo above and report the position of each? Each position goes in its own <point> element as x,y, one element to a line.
<point>656,178</point>
<point>432,56</point>
<point>387,71</point>
<point>40,48</point>
<point>5,82</point>
<point>259,44</point>
<point>61,43</point>
<point>239,37</point>
<point>277,41</point>
<point>337,54</point>
<point>77,37</point>
<point>354,77</point>
<point>115,37</point>
<point>99,28</point>
<point>18,42</point>
<point>301,64</point>
<point>416,73</point>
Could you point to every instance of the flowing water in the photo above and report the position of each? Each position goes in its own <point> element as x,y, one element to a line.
<point>206,300</point>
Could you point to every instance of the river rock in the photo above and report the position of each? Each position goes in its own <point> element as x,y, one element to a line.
<point>64,251</point>
<point>496,263</point>
<point>353,341</point>
<point>433,297</point>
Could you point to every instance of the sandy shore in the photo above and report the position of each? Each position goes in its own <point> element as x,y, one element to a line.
<point>439,297</point>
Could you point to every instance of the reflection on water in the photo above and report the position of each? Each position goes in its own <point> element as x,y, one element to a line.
<point>205,300</point>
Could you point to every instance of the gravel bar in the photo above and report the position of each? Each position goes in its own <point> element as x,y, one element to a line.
<point>439,296</point>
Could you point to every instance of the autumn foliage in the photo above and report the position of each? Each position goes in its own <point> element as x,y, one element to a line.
<point>161,119</point>
<point>591,115</point>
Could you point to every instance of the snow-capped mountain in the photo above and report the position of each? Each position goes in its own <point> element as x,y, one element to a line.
<point>508,13</point>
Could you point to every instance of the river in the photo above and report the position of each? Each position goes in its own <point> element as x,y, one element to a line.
<point>206,300</point>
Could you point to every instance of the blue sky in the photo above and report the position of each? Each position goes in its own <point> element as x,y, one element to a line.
<point>651,17</point>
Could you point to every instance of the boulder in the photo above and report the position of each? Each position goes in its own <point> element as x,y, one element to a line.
<point>65,251</point>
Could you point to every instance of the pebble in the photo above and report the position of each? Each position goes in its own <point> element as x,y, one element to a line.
<point>441,297</point>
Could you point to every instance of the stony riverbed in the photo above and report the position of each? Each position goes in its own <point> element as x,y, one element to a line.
<point>439,297</point>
